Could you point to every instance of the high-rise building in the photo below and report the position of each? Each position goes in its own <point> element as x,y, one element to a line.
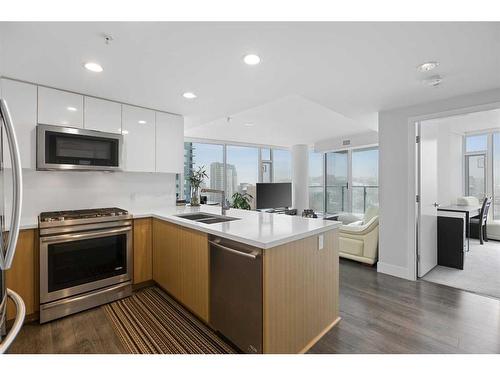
<point>188,168</point>
<point>217,178</point>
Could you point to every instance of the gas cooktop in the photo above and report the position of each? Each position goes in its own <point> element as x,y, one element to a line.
<point>90,215</point>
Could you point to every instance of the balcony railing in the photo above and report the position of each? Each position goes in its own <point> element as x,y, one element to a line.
<point>362,197</point>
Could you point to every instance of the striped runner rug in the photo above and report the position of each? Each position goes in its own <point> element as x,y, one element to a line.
<point>150,322</point>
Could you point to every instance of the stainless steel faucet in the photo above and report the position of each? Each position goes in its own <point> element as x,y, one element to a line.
<point>224,204</point>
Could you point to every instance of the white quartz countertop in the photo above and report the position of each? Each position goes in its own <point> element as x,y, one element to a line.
<point>259,229</point>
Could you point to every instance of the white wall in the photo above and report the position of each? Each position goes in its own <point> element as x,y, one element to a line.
<point>449,163</point>
<point>54,190</point>
<point>397,174</point>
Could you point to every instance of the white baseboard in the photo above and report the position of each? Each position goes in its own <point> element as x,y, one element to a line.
<point>391,269</point>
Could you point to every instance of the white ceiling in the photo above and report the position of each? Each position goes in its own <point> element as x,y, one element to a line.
<point>353,69</point>
<point>283,122</point>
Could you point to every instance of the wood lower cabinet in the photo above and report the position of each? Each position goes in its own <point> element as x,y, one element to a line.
<point>301,293</point>
<point>23,277</point>
<point>181,265</point>
<point>143,250</point>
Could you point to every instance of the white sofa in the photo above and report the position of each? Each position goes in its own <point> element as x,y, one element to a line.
<point>358,240</point>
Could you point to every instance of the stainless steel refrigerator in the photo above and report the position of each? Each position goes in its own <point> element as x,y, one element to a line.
<point>9,235</point>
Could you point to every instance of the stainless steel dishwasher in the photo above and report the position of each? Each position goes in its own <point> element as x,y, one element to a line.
<point>236,293</point>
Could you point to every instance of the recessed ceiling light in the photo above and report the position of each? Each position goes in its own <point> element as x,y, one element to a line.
<point>251,59</point>
<point>93,67</point>
<point>249,124</point>
<point>141,122</point>
<point>189,95</point>
<point>427,66</point>
<point>433,81</point>
<point>72,109</point>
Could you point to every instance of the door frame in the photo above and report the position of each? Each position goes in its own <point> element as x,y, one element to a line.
<point>413,150</point>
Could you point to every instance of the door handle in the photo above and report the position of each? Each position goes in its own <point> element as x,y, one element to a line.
<point>17,189</point>
<point>18,322</point>
<point>252,255</point>
<point>435,204</point>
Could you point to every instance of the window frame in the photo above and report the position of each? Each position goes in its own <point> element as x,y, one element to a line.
<point>349,175</point>
<point>224,145</point>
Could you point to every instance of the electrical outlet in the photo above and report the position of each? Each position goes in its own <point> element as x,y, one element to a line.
<point>321,240</point>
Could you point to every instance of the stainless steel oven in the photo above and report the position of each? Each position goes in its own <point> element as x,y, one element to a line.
<point>67,148</point>
<point>83,263</point>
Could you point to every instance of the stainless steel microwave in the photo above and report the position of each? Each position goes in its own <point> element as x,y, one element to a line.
<point>65,148</point>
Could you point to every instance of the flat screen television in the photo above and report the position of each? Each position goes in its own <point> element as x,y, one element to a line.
<point>274,195</point>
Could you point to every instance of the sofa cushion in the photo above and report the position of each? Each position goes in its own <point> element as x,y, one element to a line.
<point>347,218</point>
<point>350,246</point>
<point>355,223</point>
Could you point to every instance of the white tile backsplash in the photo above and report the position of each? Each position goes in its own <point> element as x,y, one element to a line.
<point>57,190</point>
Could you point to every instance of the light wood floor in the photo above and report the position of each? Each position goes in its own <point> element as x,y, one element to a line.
<point>380,314</point>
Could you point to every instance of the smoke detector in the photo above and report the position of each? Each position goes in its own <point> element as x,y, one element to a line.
<point>107,38</point>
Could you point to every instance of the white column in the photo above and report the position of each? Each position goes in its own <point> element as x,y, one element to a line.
<point>300,177</point>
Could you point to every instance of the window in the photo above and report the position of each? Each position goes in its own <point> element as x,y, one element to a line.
<point>316,181</point>
<point>211,156</point>
<point>475,143</point>
<point>364,179</point>
<point>351,180</point>
<point>476,149</point>
<point>337,181</point>
<point>242,166</point>
<point>282,166</point>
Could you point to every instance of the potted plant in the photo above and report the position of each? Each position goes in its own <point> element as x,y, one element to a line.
<point>195,180</point>
<point>241,201</point>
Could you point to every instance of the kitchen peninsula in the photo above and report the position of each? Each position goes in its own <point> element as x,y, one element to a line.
<point>297,282</point>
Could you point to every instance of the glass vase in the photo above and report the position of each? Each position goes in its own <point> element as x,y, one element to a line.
<point>195,195</point>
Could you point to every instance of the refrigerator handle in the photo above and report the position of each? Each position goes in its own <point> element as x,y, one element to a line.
<point>18,323</point>
<point>17,189</point>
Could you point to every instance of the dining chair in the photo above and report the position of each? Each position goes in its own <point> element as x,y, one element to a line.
<point>480,221</point>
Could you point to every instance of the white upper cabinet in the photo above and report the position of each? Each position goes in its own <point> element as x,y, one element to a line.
<point>56,107</point>
<point>103,115</point>
<point>21,100</point>
<point>138,129</point>
<point>169,143</point>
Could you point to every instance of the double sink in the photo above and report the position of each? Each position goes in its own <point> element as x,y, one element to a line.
<point>207,218</point>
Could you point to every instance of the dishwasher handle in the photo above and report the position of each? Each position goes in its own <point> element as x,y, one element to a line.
<point>252,255</point>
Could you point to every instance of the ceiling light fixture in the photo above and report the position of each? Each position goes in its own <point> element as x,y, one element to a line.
<point>93,67</point>
<point>141,122</point>
<point>72,109</point>
<point>189,95</point>
<point>427,66</point>
<point>433,81</point>
<point>124,131</point>
<point>251,59</point>
<point>249,124</point>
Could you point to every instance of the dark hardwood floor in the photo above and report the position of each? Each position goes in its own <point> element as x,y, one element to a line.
<point>380,314</point>
<point>82,333</point>
<point>385,314</point>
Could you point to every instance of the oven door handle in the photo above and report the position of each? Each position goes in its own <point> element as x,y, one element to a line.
<point>75,236</point>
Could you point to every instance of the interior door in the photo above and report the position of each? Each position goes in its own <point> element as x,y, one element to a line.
<point>427,233</point>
